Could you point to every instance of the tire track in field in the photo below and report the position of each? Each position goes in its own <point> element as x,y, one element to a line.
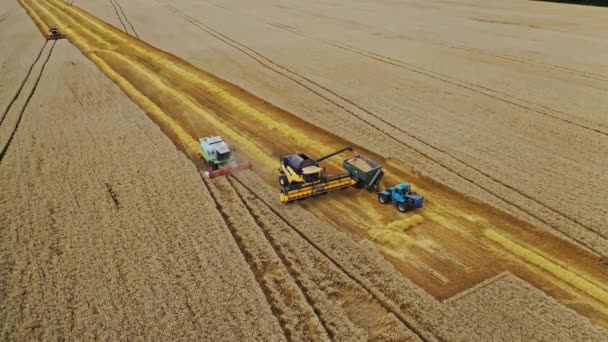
<point>450,45</point>
<point>477,88</point>
<point>259,58</point>
<point>29,97</point>
<point>286,264</point>
<point>512,100</point>
<point>119,17</point>
<point>27,75</point>
<point>385,303</point>
<point>126,18</point>
<point>248,258</point>
<point>123,18</point>
<point>6,14</point>
<point>522,60</point>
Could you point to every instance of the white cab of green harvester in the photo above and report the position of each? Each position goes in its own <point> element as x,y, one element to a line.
<point>219,157</point>
<point>215,151</point>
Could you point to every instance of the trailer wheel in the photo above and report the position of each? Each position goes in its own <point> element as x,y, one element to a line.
<point>403,207</point>
<point>359,185</point>
<point>283,181</point>
<point>383,198</point>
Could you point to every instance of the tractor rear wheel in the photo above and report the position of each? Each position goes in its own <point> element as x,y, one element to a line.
<point>403,207</point>
<point>383,198</point>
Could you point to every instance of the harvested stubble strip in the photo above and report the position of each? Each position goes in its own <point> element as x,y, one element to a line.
<point>349,309</point>
<point>362,261</point>
<point>558,271</point>
<point>295,314</point>
<point>524,313</point>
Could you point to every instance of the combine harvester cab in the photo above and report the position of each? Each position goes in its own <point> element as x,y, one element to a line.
<point>55,34</point>
<point>218,157</point>
<point>301,177</point>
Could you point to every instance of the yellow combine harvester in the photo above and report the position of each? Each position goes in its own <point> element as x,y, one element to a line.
<point>301,176</point>
<point>55,34</point>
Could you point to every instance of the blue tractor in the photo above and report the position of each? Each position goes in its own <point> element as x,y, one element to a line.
<point>402,196</point>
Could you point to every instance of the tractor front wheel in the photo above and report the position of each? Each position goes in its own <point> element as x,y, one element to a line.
<point>403,207</point>
<point>383,198</point>
<point>283,181</point>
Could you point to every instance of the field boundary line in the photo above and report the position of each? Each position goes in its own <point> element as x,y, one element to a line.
<point>27,102</point>
<point>481,285</point>
<point>385,303</point>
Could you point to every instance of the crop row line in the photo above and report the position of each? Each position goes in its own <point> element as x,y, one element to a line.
<point>504,97</point>
<point>477,88</point>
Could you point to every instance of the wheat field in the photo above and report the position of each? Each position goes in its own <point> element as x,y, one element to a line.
<point>494,111</point>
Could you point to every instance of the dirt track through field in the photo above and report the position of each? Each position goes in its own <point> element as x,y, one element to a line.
<point>446,251</point>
